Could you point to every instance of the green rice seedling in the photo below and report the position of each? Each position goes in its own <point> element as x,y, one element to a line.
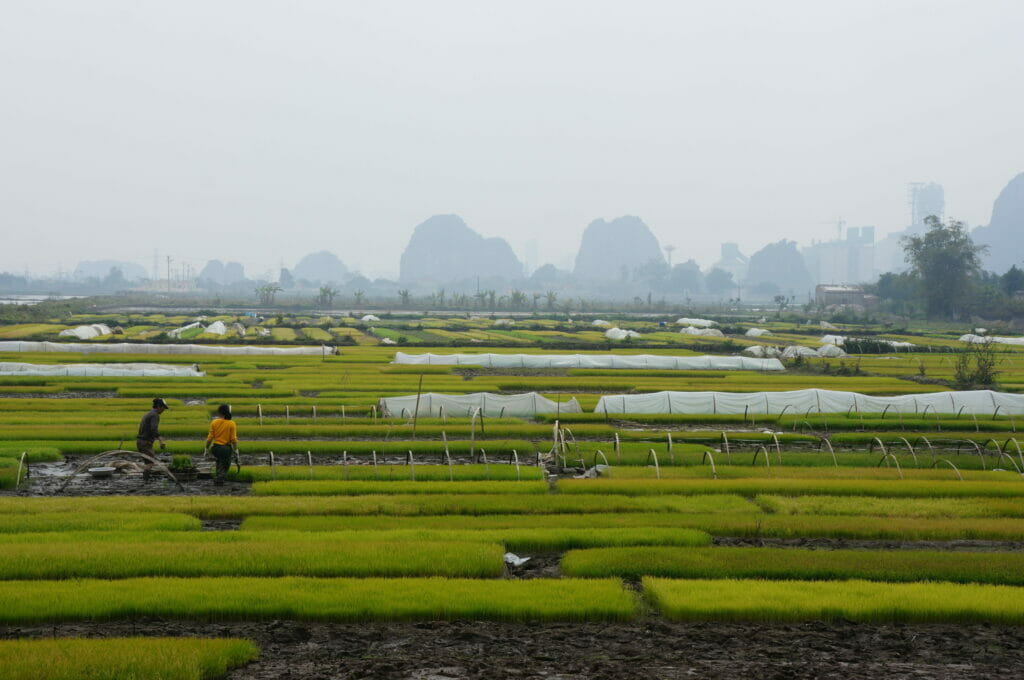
<point>123,658</point>
<point>796,563</point>
<point>280,557</point>
<point>892,507</point>
<point>794,487</point>
<point>314,599</point>
<point>471,472</point>
<point>219,507</point>
<point>102,521</point>
<point>861,601</point>
<point>362,488</point>
<point>817,471</point>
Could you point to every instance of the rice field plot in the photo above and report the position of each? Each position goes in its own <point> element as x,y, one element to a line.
<point>123,658</point>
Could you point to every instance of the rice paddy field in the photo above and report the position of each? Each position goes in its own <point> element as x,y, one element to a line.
<point>347,542</point>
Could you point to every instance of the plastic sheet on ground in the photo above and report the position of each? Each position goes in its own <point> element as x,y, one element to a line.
<point>216,328</point>
<point>978,402</point>
<point>101,370</point>
<point>89,332</point>
<point>794,351</point>
<point>370,317</point>
<point>600,322</point>
<point>176,333</point>
<point>702,323</point>
<point>840,340</point>
<point>830,351</point>
<point>623,361</point>
<point>491,405</point>
<point>757,332</point>
<point>146,348</point>
<point>620,334</point>
<point>761,351</point>
<point>983,339</point>
<point>710,332</point>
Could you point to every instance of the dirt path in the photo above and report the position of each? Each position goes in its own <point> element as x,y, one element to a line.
<point>647,649</point>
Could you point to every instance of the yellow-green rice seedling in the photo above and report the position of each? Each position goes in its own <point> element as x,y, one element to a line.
<point>98,521</point>
<point>361,488</point>
<point>220,507</point>
<point>892,507</point>
<point>816,471</point>
<point>796,563</point>
<point>422,473</point>
<point>854,600</point>
<point>123,658</point>
<point>795,487</point>
<point>275,556</point>
<point>314,599</point>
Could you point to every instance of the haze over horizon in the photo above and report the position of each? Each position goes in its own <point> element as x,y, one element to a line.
<point>259,132</point>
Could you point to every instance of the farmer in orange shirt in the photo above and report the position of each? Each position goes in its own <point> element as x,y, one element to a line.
<point>222,441</point>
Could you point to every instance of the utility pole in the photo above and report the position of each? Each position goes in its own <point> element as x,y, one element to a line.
<point>168,273</point>
<point>668,251</point>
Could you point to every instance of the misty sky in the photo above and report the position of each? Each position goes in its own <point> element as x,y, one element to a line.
<point>258,131</point>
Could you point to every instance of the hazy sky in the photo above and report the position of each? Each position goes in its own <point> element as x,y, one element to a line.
<point>258,131</point>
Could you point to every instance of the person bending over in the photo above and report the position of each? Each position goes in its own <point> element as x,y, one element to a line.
<point>222,441</point>
<point>149,429</point>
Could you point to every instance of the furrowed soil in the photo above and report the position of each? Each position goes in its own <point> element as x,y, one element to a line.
<point>647,649</point>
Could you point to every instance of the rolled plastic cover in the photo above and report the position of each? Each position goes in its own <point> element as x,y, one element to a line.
<point>978,402</point>
<point>432,404</point>
<point>127,370</point>
<point>622,361</point>
<point>147,348</point>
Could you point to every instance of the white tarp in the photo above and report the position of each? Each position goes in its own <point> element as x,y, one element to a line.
<point>624,361</point>
<point>600,322</point>
<point>216,328</point>
<point>176,333</point>
<point>830,351</point>
<point>89,332</point>
<point>794,351</point>
<point>146,348</point>
<point>982,339</point>
<point>101,370</point>
<point>504,322</point>
<point>762,351</point>
<point>458,405</point>
<point>370,317</point>
<point>840,340</point>
<point>757,332</point>
<point>619,334</point>
<point>702,323</point>
<point>979,402</point>
<point>711,332</point>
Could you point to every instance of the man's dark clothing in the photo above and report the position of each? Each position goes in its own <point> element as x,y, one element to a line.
<point>149,432</point>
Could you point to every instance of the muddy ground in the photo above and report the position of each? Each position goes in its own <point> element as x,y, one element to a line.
<point>646,649</point>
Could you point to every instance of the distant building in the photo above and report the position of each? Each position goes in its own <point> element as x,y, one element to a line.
<point>732,261</point>
<point>925,198</point>
<point>843,260</point>
<point>833,294</point>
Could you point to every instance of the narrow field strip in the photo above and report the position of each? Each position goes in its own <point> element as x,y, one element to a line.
<point>105,521</point>
<point>797,564</point>
<point>390,472</point>
<point>870,470</point>
<point>892,507</point>
<point>794,487</point>
<point>339,599</point>
<point>276,556</point>
<point>860,601</point>
<point>365,488</point>
<point>123,658</point>
<point>239,507</point>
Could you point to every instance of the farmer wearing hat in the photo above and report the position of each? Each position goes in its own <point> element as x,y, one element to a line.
<point>149,429</point>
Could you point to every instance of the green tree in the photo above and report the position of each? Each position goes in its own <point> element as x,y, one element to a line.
<point>945,259</point>
<point>1012,281</point>
<point>719,281</point>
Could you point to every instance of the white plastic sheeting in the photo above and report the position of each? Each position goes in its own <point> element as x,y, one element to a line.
<point>370,317</point>
<point>982,339</point>
<point>176,333</point>
<point>89,332</point>
<point>979,402</point>
<point>757,332</point>
<point>463,405</point>
<point>101,370</point>
<point>702,323</point>
<point>624,361</point>
<point>145,348</point>
<point>840,340</point>
<point>600,322</point>
<point>762,351</point>
<point>831,351</point>
<point>794,351</point>
<point>619,334</point>
<point>711,332</point>
<point>504,322</point>
<point>216,328</point>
